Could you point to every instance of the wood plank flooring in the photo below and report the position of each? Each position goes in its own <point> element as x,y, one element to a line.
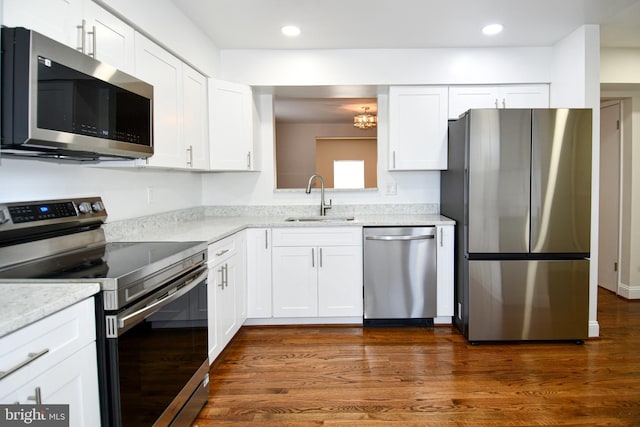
<point>305,376</point>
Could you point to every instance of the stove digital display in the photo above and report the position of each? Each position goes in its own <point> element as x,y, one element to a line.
<point>29,213</point>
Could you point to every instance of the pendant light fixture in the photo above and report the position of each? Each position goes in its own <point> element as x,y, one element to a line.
<point>365,120</point>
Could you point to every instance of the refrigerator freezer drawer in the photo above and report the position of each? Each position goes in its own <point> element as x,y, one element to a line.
<point>528,300</point>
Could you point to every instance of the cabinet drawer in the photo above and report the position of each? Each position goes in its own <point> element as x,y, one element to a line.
<point>73,382</point>
<point>317,236</point>
<point>222,249</point>
<point>54,338</point>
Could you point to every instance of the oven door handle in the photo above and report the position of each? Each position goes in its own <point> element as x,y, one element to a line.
<point>173,294</point>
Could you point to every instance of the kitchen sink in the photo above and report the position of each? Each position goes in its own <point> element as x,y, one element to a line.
<point>319,218</point>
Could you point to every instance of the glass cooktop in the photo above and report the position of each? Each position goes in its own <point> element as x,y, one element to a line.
<point>109,261</point>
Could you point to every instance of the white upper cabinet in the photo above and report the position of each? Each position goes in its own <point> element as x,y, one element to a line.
<point>463,98</point>
<point>60,20</point>
<point>79,24</point>
<point>195,124</point>
<point>161,69</point>
<point>417,128</point>
<point>108,39</point>
<point>179,107</point>
<point>230,126</point>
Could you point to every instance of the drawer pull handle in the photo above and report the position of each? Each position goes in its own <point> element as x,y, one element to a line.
<point>37,397</point>
<point>30,358</point>
<point>222,252</point>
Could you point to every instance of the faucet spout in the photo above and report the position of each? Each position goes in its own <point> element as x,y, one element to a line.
<point>323,205</point>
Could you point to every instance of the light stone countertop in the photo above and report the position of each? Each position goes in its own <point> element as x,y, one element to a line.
<point>23,302</point>
<point>214,228</point>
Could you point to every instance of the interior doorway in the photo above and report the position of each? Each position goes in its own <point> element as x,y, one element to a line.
<point>609,223</point>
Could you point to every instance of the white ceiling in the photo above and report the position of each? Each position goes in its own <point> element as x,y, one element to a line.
<point>345,24</point>
<point>397,24</point>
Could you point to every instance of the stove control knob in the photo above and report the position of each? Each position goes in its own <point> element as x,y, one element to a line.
<point>97,206</point>
<point>84,207</point>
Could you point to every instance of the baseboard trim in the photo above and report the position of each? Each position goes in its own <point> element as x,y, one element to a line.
<point>629,292</point>
<point>304,321</point>
<point>594,329</point>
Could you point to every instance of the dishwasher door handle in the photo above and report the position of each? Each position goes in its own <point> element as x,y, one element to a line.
<point>395,238</point>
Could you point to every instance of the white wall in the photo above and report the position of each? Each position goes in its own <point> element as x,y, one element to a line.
<point>124,191</point>
<point>387,66</point>
<point>576,83</point>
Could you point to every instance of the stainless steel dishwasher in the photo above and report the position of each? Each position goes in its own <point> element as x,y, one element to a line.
<point>399,275</point>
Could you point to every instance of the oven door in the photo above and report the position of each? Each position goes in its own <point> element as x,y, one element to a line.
<point>156,365</point>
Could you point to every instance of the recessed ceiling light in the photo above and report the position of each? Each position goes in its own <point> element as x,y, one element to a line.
<point>290,30</point>
<point>492,29</point>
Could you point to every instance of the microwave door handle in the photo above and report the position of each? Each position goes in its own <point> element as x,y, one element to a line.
<point>131,319</point>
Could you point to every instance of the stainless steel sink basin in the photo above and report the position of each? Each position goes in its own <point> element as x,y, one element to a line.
<point>319,218</point>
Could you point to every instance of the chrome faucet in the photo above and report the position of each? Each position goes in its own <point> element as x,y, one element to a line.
<point>323,205</point>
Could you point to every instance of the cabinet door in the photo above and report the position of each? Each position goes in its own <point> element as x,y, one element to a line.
<point>238,270</point>
<point>463,98</point>
<point>226,307</point>
<point>195,125</point>
<point>259,273</point>
<point>340,281</point>
<point>231,126</point>
<point>159,68</point>
<point>73,382</point>
<point>445,266</point>
<point>524,96</point>
<point>112,38</point>
<point>213,284</point>
<point>295,290</point>
<point>418,128</point>
<point>60,20</point>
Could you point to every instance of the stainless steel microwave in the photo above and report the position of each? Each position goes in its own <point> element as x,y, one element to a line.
<point>60,103</point>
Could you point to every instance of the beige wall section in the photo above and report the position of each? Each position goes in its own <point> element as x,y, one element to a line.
<point>296,149</point>
<point>620,65</point>
<point>330,149</point>
<point>620,78</point>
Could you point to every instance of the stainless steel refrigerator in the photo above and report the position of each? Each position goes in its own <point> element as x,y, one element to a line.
<point>519,188</point>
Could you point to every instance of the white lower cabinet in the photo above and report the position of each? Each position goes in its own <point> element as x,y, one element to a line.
<point>317,272</point>
<point>340,281</point>
<point>445,267</point>
<point>61,368</point>
<point>295,282</point>
<point>226,291</point>
<point>259,273</point>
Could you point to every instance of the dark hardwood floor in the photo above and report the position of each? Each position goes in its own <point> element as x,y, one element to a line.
<point>299,376</point>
